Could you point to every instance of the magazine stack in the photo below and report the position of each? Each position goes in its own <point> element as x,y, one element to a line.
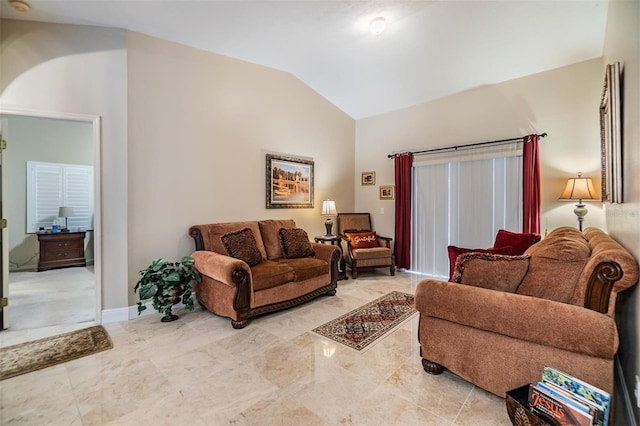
<point>561,399</point>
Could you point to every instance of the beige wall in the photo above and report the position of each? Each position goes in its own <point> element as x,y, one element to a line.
<point>200,126</point>
<point>79,70</point>
<point>562,102</point>
<point>623,220</point>
<point>196,127</point>
<point>38,139</point>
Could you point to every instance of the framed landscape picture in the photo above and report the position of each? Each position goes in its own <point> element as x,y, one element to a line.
<point>611,136</point>
<point>289,182</point>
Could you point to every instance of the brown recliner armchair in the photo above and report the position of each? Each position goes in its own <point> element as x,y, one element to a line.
<point>363,247</point>
<point>504,318</point>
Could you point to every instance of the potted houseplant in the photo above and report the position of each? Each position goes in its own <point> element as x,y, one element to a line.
<point>166,283</point>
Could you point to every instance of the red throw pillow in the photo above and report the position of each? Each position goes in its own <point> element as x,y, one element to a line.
<point>363,239</point>
<point>518,242</point>
<point>454,252</point>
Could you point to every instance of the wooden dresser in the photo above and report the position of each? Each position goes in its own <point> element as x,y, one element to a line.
<point>61,250</point>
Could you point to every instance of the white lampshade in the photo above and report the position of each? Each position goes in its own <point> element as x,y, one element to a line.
<point>329,208</point>
<point>579,189</point>
<point>65,211</point>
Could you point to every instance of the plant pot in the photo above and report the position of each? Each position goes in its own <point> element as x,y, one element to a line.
<point>169,318</point>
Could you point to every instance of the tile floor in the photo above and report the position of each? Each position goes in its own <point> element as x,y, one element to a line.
<point>200,371</point>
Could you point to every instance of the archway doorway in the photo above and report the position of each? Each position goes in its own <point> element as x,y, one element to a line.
<point>73,294</point>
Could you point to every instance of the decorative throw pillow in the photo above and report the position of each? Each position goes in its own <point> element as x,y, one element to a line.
<point>454,252</point>
<point>242,245</point>
<point>295,243</point>
<point>493,271</point>
<point>517,241</point>
<point>363,239</point>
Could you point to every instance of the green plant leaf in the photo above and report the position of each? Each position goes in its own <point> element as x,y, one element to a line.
<point>187,261</point>
<point>173,277</point>
<point>156,264</point>
<point>141,307</point>
<point>147,292</point>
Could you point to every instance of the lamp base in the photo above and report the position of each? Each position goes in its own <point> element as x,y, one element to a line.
<point>328,224</point>
<point>581,212</point>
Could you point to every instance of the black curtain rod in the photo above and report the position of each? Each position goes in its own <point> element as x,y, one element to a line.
<point>453,148</point>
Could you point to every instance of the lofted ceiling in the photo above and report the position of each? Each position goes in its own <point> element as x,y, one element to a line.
<point>429,50</point>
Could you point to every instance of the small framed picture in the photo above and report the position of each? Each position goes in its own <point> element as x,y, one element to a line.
<point>387,192</point>
<point>368,178</point>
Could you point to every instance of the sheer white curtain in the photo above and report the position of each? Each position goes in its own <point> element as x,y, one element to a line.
<point>463,199</point>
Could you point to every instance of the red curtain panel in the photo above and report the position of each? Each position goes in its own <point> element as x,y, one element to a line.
<point>403,164</point>
<point>531,185</point>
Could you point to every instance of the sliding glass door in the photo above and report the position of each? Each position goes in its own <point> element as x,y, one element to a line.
<point>462,203</point>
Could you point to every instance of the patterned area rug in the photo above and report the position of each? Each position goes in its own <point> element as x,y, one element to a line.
<point>30,356</point>
<point>363,326</point>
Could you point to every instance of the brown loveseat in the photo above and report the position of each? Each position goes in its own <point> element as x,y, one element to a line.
<point>232,288</point>
<point>555,306</point>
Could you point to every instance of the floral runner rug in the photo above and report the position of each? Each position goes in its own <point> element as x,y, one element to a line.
<point>30,356</point>
<point>366,324</point>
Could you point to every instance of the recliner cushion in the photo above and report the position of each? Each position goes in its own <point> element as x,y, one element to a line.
<point>556,265</point>
<point>566,249</point>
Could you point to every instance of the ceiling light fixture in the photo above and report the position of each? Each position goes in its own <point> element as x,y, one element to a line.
<point>377,25</point>
<point>19,5</point>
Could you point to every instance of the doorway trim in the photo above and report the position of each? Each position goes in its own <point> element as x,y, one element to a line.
<point>95,120</point>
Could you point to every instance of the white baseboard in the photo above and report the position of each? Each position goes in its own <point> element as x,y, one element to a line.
<point>115,315</point>
<point>125,314</point>
<point>128,313</point>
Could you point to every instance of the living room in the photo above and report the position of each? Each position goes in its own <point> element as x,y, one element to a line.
<point>178,120</point>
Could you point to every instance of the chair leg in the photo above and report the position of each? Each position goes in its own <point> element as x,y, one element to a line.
<point>392,269</point>
<point>432,367</point>
<point>239,324</point>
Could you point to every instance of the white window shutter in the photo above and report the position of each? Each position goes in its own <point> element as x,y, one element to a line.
<point>78,185</point>
<point>51,186</point>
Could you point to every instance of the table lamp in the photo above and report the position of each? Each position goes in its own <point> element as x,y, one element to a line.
<point>329,209</point>
<point>579,189</point>
<point>65,212</point>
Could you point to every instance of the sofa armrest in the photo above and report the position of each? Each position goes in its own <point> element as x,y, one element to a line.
<point>546,322</point>
<point>324,251</point>
<point>220,267</point>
